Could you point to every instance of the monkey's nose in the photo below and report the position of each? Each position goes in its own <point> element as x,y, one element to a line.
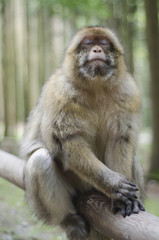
<point>97,49</point>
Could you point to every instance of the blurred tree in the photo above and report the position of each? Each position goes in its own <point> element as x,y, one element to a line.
<point>151,9</point>
<point>8,67</point>
<point>121,19</point>
<point>128,30</point>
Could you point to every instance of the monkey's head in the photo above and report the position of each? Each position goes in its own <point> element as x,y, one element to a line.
<point>94,53</point>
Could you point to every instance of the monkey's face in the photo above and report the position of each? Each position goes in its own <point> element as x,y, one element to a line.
<point>94,53</point>
<point>96,56</point>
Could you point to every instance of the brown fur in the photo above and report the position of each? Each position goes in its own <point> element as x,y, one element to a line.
<point>82,134</point>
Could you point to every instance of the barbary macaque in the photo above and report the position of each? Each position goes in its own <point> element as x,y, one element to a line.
<point>82,134</point>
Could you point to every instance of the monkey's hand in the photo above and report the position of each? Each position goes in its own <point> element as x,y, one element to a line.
<point>127,208</point>
<point>121,189</point>
<point>124,198</point>
<point>82,161</point>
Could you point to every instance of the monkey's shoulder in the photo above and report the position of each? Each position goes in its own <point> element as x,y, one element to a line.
<point>128,96</point>
<point>60,95</point>
<point>63,113</point>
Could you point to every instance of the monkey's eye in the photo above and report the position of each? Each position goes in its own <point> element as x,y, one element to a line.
<point>87,41</point>
<point>104,42</point>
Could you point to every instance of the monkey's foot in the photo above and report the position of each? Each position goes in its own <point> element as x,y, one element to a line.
<point>127,208</point>
<point>76,227</point>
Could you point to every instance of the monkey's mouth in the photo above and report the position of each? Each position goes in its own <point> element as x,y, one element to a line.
<point>97,60</point>
<point>96,66</point>
<point>100,61</point>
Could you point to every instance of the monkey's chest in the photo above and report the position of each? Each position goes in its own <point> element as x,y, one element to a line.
<point>111,125</point>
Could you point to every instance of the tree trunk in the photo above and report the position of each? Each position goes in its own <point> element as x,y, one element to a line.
<point>128,32</point>
<point>8,68</point>
<point>153,47</point>
<point>41,46</point>
<point>124,26</point>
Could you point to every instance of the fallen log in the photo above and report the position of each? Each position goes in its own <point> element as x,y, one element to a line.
<point>95,207</point>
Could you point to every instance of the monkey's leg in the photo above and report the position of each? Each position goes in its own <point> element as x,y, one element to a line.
<point>76,227</point>
<point>49,195</point>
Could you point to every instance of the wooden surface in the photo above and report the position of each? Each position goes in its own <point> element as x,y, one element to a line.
<point>11,168</point>
<point>95,207</point>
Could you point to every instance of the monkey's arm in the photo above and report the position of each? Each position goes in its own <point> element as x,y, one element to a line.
<point>123,129</point>
<point>120,153</point>
<point>79,158</point>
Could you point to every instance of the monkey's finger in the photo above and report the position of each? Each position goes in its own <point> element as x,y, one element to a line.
<point>121,197</point>
<point>129,194</point>
<point>135,207</point>
<point>132,184</point>
<point>123,212</point>
<point>128,208</point>
<point>130,187</point>
<point>141,207</point>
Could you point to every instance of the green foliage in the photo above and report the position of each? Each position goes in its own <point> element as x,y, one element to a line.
<point>91,8</point>
<point>153,175</point>
<point>151,205</point>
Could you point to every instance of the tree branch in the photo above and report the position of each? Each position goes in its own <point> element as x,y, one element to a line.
<point>95,207</point>
<point>11,169</point>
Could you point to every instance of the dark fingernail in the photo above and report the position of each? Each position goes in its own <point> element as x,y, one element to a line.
<point>123,212</point>
<point>132,184</point>
<point>128,213</point>
<point>134,196</point>
<point>142,208</point>
<point>136,210</point>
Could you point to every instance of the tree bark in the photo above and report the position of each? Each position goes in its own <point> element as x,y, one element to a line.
<point>128,31</point>
<point>95,207</point>
<point>153,47</point>
<point>8,69</point>
<point>11,169</point>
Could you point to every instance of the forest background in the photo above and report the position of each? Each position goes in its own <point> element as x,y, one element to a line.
<point>33,37</point>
